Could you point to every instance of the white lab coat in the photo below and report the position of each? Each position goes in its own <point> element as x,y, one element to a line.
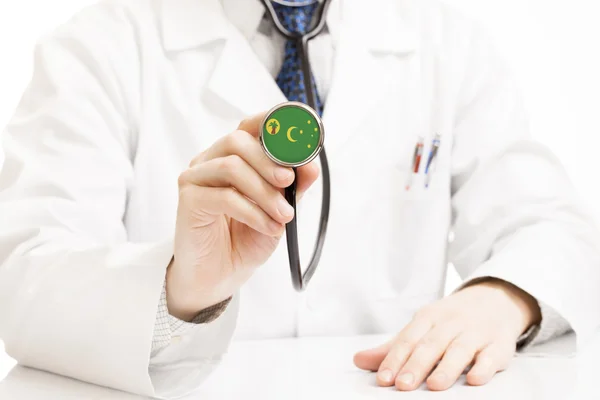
<point>128,92</point>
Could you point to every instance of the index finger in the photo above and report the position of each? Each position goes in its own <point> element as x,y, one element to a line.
<point>401,350</point>
<point>252,123</point>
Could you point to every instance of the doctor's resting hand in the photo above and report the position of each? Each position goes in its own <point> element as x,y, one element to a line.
<point>230,218</point>
<point>478,325</point>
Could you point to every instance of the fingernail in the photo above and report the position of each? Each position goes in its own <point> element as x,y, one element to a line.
<point>406,378</point>
<point>386,376</point>
<point>283,174</point>
<point>285,208</point>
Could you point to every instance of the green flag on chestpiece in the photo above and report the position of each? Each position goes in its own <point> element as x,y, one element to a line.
<point>292,134</point>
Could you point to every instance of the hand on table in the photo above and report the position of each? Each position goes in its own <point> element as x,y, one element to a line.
<point>478,325</point>
<point>230,217</point>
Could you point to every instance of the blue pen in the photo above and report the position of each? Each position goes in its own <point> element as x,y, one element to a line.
<point>435,145</point>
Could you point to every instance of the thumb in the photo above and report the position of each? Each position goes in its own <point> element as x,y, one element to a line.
<point>371,359</point>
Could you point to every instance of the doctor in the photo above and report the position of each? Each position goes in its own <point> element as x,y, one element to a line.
<point>141,222</point>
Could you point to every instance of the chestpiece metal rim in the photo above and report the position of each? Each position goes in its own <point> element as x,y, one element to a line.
<point>309,110</point>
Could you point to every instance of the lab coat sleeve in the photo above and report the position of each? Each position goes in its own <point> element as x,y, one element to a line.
<point>78,298</point>
<point>516,215</point>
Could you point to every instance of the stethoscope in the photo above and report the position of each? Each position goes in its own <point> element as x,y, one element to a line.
<point>296,111</point>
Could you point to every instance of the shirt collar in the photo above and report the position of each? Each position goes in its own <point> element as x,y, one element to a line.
<point>190,23</point>
<point>247,18</point>
<point>186,24</point>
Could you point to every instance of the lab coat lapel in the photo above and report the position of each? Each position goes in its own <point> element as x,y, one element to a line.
<point>238,83</point>
<point>241,81</point>
<point>364,34</point>
<point>368,33</point>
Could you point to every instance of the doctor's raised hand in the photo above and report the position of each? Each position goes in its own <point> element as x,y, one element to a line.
<point>230,217</point>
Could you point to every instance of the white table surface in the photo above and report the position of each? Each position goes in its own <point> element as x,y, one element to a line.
<point>315,368</point>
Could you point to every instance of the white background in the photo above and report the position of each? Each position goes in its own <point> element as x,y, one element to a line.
<point>553,47</point>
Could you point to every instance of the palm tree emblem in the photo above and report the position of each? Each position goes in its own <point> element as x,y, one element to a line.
<point>273,126</point>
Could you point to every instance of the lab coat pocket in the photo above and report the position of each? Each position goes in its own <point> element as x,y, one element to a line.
<point>411,260</point>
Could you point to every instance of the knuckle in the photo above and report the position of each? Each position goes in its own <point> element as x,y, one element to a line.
<point>239,134</point>
<point>184,178</point>
<point>197,160</point>
<point>404,343</point>
<point>234,141</point>
<point>231,164</point>
<point>429,340</point>
<point>392,361</point>
<point>423,354</point>
<point>397,355</point>
<point>458,345</point>
<point>424,314</point>
<point>426,349</point>
<point>246,207</point>
<point>450,330</point>
<point>227,143</point>
<point>244,122</point>
<point>417,362</point>
<point>461,346</point>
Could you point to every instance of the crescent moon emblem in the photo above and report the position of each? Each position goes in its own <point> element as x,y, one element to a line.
<point>289,134</point>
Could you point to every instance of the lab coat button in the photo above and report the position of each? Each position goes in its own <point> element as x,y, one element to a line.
<point>176,340</point>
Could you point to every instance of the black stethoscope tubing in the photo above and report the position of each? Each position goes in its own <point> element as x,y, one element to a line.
<point>300,280</point>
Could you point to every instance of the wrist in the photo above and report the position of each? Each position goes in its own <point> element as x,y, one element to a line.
<point>185,300</point>
<point>527,309</point>
<point>177,305</point>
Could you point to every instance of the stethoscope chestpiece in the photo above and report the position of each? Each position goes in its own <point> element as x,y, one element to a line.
<point>292,134</point>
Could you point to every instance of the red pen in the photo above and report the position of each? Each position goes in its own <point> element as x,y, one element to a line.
<point>416,161</point>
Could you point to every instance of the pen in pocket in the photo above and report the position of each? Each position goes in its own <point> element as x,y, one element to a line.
<point>429,167</point>
<point>416,162</point>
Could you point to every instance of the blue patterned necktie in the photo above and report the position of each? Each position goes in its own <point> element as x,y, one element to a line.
<point>296,19</point>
